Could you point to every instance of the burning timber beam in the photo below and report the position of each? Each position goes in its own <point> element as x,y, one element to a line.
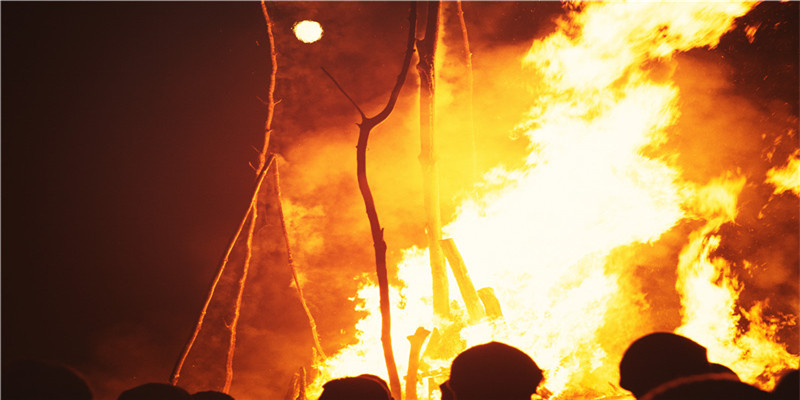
<point>416,340</point>
<point>465,286</point>
<point>426,49</point>
<point>490,302</point>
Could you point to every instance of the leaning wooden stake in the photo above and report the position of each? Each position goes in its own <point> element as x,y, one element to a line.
<point>465,286</point>
<point>239,295</point>
<point>292,267</point>
<point>297,386</point>
<point>428,158</point>
<point>176,372</point>
<point>364,129</point>
<point>262,155</point>
<point>264,161</point>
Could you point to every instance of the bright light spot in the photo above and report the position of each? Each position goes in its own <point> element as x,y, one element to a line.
<point>307,31</point>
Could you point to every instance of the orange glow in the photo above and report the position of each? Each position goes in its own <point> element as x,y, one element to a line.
<point>787,177</point>
<point>593,182</point>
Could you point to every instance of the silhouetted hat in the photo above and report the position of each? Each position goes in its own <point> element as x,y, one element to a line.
<point>155,391</point>
<point>211,395</point>
<point>494,370</point>
<point>364,387</point>
<point>658,358</point>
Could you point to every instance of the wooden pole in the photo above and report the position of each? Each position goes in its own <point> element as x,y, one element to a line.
<point>254,212</point>
<point>176,371</point>
<point>364,129</point>
<point>312,323</point>
<point>471,83</point>
<point>490,302</point>
<point>416,340</point>
<point>239,295</point>
<point>465,286</point>
<point>428,157</point>
<point>264,161</point>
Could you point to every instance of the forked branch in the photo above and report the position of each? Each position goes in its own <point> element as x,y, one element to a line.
<point>365,127</point>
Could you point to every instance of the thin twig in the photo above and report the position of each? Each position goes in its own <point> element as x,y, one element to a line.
<point>341,89</point>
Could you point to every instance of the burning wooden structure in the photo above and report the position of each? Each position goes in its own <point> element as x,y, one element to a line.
<point>566,253</point>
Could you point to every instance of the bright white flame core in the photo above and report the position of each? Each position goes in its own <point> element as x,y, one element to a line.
<point>307,31</point>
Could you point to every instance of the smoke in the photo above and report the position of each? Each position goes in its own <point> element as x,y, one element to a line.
<point>724,126</point>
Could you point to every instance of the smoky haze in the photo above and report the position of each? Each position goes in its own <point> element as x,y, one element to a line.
<point>128,128</point>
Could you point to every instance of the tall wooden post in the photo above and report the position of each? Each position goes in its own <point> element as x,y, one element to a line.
<point>426,48</point>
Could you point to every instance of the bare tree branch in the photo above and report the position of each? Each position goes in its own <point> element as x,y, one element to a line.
<point>379,244</point>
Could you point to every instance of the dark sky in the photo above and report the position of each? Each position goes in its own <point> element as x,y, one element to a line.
<point>127,129</point>
<point>126,134</point>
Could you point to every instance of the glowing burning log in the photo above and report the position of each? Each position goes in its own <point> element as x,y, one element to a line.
<point>490,302</point>
<point>416,340</point>
<point>468,293</point>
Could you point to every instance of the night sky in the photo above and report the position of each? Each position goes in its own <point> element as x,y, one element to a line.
<point>127,129</point>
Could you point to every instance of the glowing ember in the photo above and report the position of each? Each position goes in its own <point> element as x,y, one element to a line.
<point>786,178</point>
<point>307,31</point>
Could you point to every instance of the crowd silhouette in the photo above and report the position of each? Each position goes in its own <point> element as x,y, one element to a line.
<point>657,366</point>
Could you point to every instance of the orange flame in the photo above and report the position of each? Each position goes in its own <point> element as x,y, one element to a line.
<point>593,182</point>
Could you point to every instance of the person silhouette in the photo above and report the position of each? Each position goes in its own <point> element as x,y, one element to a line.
<point>362,387</point>
<point>660,357</point>
<point>496,371</point>
<point>42,380</point>
<point>155,391</point>
<point>211,395</point>
<point>788,387</point>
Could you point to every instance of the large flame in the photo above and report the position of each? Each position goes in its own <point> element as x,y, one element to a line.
<point>593,182</point>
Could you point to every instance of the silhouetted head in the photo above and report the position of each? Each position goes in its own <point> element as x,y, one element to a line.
<point>211,395</point>
<point>363,387</point>
<point>155,391</point>
<point>40,380</point>
<point>788,386</point>
<point>658,358</point>
<point>494,370</point>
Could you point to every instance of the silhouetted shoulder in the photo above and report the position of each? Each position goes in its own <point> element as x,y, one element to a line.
<point>788,387</point>
<point>707,387</point>
<point>38,380</point>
